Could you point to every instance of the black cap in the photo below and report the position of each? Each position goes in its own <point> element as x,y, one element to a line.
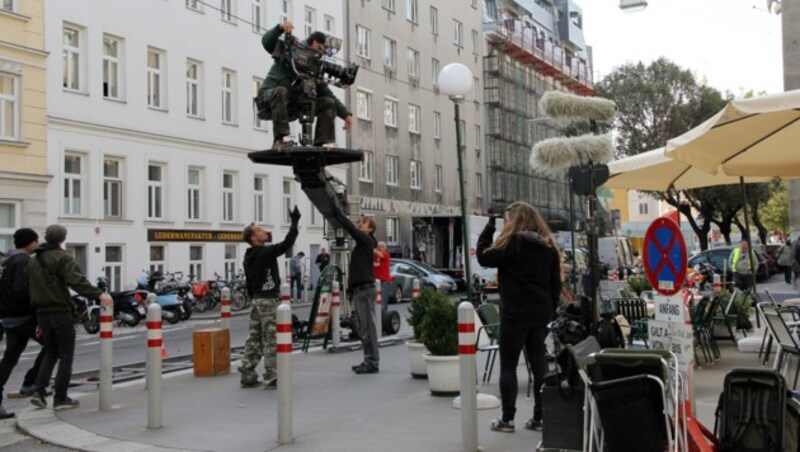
<point>23,237</point>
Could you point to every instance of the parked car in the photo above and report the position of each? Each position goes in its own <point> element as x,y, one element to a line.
<point>405,272</point>
<point>718,258</point>
<point>769,261</point>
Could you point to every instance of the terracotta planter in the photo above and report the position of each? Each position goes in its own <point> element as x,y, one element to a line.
<point>415,359</point>
<point>443,375</point>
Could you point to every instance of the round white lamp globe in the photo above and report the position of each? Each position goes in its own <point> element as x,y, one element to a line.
<point>455,80</point>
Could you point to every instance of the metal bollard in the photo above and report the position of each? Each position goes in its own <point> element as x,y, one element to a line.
<point>284,352</point>
<point>106,359</point>
<point>154,344</point>
<point>305,288</point>
<point>225,309</point>
<point>415,289</point>
<point>378,309</point>
<point>466,361</point>
<point>335,321</point>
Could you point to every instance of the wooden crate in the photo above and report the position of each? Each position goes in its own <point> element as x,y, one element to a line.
<point>212,352</point>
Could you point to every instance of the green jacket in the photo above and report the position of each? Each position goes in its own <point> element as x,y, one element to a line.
<point>49,291</point>
<point>281,74</point>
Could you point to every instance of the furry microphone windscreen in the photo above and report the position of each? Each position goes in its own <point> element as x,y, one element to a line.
<point>554,156</point>
<point>557,104</point>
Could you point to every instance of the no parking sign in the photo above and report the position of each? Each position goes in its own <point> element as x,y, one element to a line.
<point>664,256</point>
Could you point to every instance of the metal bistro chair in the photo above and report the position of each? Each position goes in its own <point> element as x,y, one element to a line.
<point>635,312</point>
<point>784,337</point>
<point>488,337</point>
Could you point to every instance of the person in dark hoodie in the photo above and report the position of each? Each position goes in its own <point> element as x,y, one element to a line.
<point>50,276</point>
<point>264,285</point>
<point>529,273</point>
<point>17,314</point>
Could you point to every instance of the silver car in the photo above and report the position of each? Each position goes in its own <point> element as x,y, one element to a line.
<point>405,272</point>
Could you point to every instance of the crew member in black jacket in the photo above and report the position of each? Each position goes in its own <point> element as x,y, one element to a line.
<point>361,286</point>
<point>529,273</point>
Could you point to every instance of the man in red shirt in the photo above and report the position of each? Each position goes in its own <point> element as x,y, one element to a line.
<point>381,263</point>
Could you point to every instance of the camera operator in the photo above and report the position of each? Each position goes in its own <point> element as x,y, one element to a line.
<point>281,92</point>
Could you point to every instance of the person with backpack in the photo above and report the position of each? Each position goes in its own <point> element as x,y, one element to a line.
<point>17,314</point>
<point>528,264</point>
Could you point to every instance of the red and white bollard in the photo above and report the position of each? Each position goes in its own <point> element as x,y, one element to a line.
<point>717,284</point>
<point>378,315</point>
<point>286,294</point>
<point>106,359</point>
<point>305,288</point>
<point>335,322</point>
<point>415,289</point>
<point>225,309</point>
<point>284,369</point>
<point>466,361</point>
<point>154,346</point>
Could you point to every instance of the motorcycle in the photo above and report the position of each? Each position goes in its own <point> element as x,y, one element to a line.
<point>128,308</point>
<point>169,298</point>
<point>86,312</point>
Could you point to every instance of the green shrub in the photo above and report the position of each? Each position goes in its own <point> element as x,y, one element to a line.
<point>439,325</point>
<point>639,284</point>
<point>417,311</point>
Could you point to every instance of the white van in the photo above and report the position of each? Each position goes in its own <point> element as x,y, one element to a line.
<point>616,252</point>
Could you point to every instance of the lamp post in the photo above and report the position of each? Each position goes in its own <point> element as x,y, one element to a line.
<point>455,80</point>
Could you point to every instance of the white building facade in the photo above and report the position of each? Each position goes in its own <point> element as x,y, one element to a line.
<point>150,121</point>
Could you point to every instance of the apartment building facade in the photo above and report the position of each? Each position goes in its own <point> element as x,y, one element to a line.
<point>149,126</point>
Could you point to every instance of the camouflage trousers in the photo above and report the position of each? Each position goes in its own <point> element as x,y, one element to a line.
<point>261,342</point>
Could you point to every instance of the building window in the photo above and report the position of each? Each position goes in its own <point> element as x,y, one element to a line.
<point>362,42</point>
<point>365,174</point>
<point>416,174</point>
<point>479,185</point>
<point>71,55</point>
<point>434,20</point>
<point>196,262</point>
<point>329,24</point>
<point>475,44</point>
<point>437,125</point>
<point>7,5</point>
<point>258,123</point>
<point>476,89</point>
<point>155,191</point>
<point>388,4</point>
<point>390,111</point>
<point>226,9</point>
<point>259,198</point>
<point>413,118</point>
<point>9,223</point>
<point>113,268</point>
<point>310,17</point>
<point>112,188</point>
<point>435,72</point>
<point>194,88</point>
<point>364,104</point>
<point>643,208</point>
<point>285,11</point>
<point>73,184</point>
<point>437,178</point>
<point>392,170</point>
<point>230,261</point>
<point>111,67</point>
<point>255,12</point>
<point>228,96</point>
<point>391,229</point>
<point>458,33</point>
<point>478,138</point>
<point>196,5</point>
<point>411,11</point>
<point>156,66</point>
<point>413,63</point>
<point>157,258</point>
<point>228,196</point>
<point>389,53</point>
<point>315,215</point>
<point>193,191</point>
<point>287,201</point>
<point>9,107</point>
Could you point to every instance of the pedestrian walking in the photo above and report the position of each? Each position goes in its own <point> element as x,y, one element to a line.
<point>381,264</point>
<point>263,284</point>
<point>296,275</point>
<point>529,273</point>
<point>323,259</point>
<point>785,260</point>
<point>51,274</point>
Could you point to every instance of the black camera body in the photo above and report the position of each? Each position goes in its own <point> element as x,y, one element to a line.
<point>312,64</point>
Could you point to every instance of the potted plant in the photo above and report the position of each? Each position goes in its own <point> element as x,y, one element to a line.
<point>439,333</point>
<point>416,349</point>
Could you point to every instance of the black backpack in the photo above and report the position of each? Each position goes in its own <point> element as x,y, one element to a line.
<point>609,334</point>
<point>12,300</point>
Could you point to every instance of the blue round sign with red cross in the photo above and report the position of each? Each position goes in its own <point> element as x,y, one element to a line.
<point>664,256</point>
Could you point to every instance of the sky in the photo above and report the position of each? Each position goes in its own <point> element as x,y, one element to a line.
<point>734,45</point>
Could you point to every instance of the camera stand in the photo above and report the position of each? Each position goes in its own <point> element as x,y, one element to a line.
<point>307,100</point>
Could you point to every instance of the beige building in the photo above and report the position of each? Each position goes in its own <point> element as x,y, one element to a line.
<point>23,143</point>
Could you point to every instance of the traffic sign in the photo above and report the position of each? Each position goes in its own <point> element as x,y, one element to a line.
<point>664,256</point>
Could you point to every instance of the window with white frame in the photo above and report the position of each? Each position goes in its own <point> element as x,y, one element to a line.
<point>364,104</point>
<point>196,261</point>
<point>259,198</point>
<point>458,33</point>
<point>434,20</point>
<point>71,57</point>
<point>392,229</point>
<point>643,208</point>
<point>413,118</point>
<point>256,18</point>
<point>475,43</point>
<point>156,79</point>
<point>73,184</point>
<point>230,261</point>
<point>437,178</point>
<point>315,215</point>
<point>9,107</point>
<point>412,13</point>
<point>158,258</point>
<point>112,188</point>
<point>287,201</point>
<point>310,20</point>
<point>228,196</point>
<point>476,89</point>
<point>415,170</point>
<point>392,169</point>
<point>7,5</point>
<point>285,11</point>
<point>258,123</point>
<point>389,53</point>
<point>390,111</point>
<point>362,41</point>
<point>365,174</point>
<point>193,192</point>
<point>413,63</point>
<point>228,96</point>
<point>9,223</point>
<point>113,268</point>
<point>478,137</point>
<point>155,191</point>
<point>388,4</point>
<point>112,48</point>
<point>226,10</point>
<point>194,88</point>
<point>437,125</point>
<point>329,24</point>
<point>196,5</point>
<point>435,71</point>
<point>478,185</point>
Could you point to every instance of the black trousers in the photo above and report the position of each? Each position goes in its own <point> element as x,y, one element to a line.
<point>296,281</point>
<point>514,335</point>
<point>285,108</point>
<point>58,329</point>
<point>16,342</point>
<point>742,281</point>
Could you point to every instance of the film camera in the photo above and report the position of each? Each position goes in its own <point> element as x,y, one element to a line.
<point>320,67</point>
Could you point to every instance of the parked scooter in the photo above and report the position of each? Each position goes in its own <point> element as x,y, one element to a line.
<point>172,307</point>
<point>128,308</point>
<point>86,312</point>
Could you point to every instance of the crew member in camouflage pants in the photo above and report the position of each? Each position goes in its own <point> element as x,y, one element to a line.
<point>263,284</point>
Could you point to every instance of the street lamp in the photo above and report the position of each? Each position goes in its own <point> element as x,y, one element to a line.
<point>455,80</point>
<point>632,6</point>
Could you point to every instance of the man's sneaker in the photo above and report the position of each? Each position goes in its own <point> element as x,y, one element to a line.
<point>248,383</point>
<point>37,399</point>
<point>66,404</point>
<point>270,384</point>
<point>5,414</point>
<point>500,425</point>
<point>27,391</point>
<point>365,368</point>
<point>533,423</point>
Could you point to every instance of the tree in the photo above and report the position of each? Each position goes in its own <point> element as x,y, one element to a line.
<point>775,212</point>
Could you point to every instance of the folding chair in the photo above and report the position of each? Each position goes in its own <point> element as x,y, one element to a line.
<point>784,337</point>
<point>488,337</point>
<point>729,314</point>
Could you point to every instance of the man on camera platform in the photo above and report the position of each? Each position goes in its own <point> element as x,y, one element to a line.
<point>280,95</point>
